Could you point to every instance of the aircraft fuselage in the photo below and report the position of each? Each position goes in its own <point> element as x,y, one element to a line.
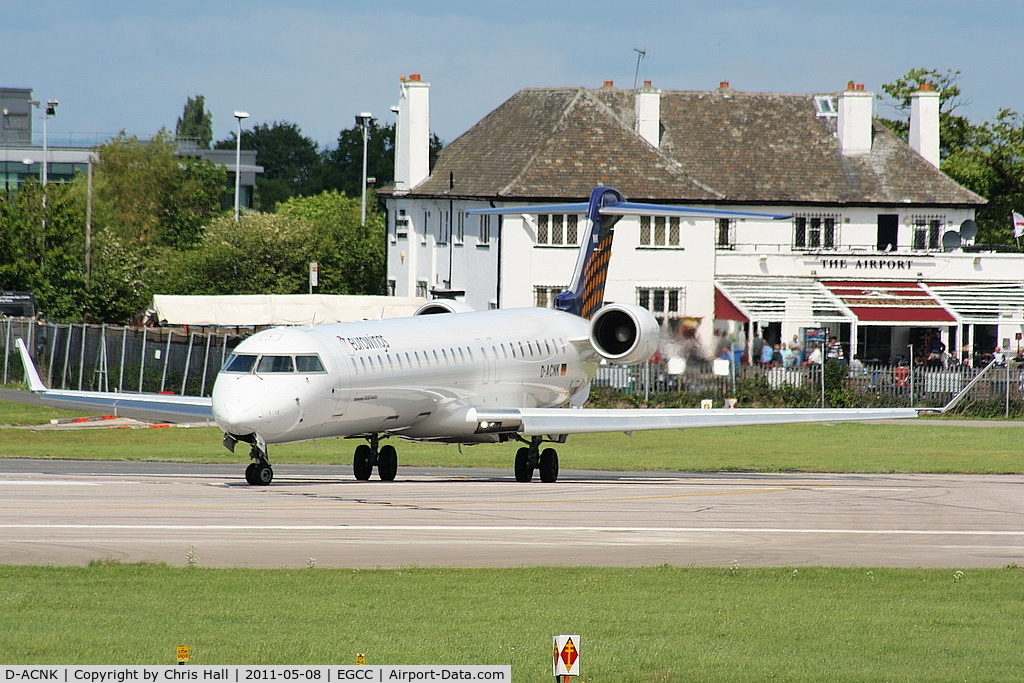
<point>421,378</point>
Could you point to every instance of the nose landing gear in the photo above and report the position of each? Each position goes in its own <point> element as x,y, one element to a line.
<point>259,472</point>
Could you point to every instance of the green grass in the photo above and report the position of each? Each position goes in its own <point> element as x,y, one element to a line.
<point>651,624</point>
<point>924,445</point>
<point>637,624</point>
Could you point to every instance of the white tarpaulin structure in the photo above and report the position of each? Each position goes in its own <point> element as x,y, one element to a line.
<point>279,309</point>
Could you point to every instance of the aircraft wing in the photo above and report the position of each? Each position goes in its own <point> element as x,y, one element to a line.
<point>143,405</point>
<point>551,421</point>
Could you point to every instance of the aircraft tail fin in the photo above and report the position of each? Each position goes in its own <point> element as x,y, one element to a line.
<point>585,294</point>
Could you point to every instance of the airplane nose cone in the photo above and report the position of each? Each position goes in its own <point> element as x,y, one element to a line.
<point>237,415</point>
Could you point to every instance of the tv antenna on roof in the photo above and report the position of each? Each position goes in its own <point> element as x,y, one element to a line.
<point>641,52</point>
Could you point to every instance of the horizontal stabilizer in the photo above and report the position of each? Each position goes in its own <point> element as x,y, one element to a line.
<point>635,209</point>
<point>578,207</point>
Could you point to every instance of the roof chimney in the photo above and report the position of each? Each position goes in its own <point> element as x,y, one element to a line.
<point>648,113</point>
<point>412,135</point>
<point>924,123</point>
<point>855,118</point>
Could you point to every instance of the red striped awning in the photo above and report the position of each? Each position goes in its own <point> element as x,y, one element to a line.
<point>725,309</point>
<point>892,302</point>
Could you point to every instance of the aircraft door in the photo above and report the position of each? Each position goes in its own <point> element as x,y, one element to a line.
<point>491,367</point>
<point>341,387</point>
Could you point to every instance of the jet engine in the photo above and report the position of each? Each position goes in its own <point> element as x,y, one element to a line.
<point>624,333</point>
<point>443,306</point>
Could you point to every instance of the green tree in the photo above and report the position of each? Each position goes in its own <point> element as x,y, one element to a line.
<point>195,123</point>
<point>993,166</point>
<point>42,248</point>
<point>147,194</point>
<point>260,254</point>
<point>288,159</point>
<point>987,159</point>
<point>351,257</point>
<point>118,286</point>
<point>342,167</point>
<point>955,131</point>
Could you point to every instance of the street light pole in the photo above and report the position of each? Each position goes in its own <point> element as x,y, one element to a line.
<point>364,119</point>
<point>239,115</point>
<point>51,110</point>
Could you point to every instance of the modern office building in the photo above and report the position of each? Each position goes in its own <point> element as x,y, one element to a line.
<point>24,148</point>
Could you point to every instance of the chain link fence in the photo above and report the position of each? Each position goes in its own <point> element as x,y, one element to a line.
<point>176,360</point>
<point>997,388</point>
<point>182,360</point>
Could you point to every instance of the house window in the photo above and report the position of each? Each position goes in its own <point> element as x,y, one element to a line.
<point>816,232</point>
<point>926,232</point>
<point>460,227</point>
<point>665,303</point>
<point>485,229</point>
<point>725,233</point>
<point>421,289</point>
<point>825,106</point>
<point>401,224</point>
<point>544,296</point>
<point>444,227</point>
<point>659,231</point>
<point>559,230</point>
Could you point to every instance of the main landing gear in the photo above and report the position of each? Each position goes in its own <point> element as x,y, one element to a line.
<point>385,458</point>
<point>530,458</point>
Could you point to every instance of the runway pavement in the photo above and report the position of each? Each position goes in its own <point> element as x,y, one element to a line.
<point>73,512</point>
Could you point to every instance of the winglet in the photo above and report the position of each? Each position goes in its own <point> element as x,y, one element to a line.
<point>35,382</point>
<point>585,294</point>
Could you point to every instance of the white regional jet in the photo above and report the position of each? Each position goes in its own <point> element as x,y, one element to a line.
<point>452,375</point>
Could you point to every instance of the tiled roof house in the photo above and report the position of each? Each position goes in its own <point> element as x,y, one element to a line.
<point>865,203</point>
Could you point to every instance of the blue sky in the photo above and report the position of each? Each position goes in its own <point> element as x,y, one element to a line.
<point>130,65</point>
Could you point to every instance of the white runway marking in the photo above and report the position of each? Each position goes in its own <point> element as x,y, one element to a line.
<point>485,528</point>
<point>47,483</point>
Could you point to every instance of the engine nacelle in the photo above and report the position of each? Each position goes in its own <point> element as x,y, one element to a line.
<point>624,333</point>
<point>443,306</point>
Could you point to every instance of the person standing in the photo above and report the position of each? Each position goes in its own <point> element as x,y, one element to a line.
<point>798,350</point>
<point>834,350</point>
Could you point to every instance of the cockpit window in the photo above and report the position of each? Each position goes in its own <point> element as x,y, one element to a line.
<point>309,364</point>
<point>240,363</point>
<point>246,363</point>
<point>275,364</point>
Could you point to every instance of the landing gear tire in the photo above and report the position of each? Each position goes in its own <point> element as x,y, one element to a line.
<point>387,463</point>
<point>263,475</point>
<point>549,465</point>
<point>523,467</point>
<point>259,472</point>
<point>362,462</point>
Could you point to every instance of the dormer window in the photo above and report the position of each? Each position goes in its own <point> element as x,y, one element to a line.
<point>825,105</point>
